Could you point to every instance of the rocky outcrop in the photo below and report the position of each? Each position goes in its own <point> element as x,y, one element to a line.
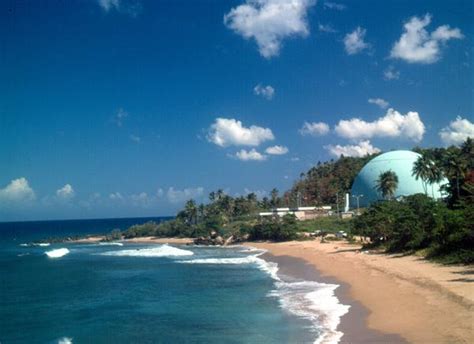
<point>214,239</point>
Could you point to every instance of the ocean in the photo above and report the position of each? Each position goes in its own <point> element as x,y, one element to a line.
<point>151,293</point>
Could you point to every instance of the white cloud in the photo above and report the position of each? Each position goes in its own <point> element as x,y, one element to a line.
<point>382,103</point>
<point>391,74</point>
<point>393,124</point>
<point>108,5</point>
<point>266,92</point>
<point>66,192</point>
<point>457,131</point>
<point>120,117</point>
<point>277,150</point>
<point>251,155</point>
<point>228,131</point>
<point>141,200</point>
<point>269,22</point>
<point>132,8</point>
<point>179,196</point>
<point>326,28</point>
<point>416,45</point>
<point>334,6</point>
<point>116,196</point>
<point>136,139</point>
<point>259,193</point>
<point>361,149</point>
<point>18,190</point>
<point>354,41</point>
<point>314,129</point>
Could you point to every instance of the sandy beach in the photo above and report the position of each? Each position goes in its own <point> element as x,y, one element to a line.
<point>404,297</point>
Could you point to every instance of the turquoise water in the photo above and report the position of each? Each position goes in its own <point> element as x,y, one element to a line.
<point>131,293</point>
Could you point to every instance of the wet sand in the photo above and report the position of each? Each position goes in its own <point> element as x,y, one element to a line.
<point>353,323</point>
<point>400,298</point>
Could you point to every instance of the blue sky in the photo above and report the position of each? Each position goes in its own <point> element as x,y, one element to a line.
<point>127,108</point>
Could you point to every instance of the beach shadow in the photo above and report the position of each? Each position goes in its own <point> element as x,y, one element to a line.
<point>466,272</point>
<point>467,280</point>
<point>356,250</point>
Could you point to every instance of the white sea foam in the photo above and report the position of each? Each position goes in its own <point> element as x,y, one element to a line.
<point>57,253</point>
<point>307,299</point>
<point>65,340</point>
<point>159,251</point>
<point>41,244</point>
<point>269,267</point>
<point>315,302</point>
<point>110,244</point>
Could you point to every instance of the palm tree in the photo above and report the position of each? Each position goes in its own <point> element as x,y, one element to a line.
<point>455,167</point>
<point>422,169</point>
<point>191,211</point>
<point>387,184</point>
<point>274,196</point>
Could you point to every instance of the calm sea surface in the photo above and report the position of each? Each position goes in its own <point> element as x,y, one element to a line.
<point>131,293</point>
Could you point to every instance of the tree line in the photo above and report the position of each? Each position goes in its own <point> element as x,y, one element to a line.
<point>443,229</point>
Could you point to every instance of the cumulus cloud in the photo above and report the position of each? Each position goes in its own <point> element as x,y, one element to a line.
<point>391,74</point>
<point>326,28</point>
<point>179,196</point>
<point>417,45</point>
<point>120,117</point>
<point>116,196</point>
<point>269,22</point>
<point>277,150</point>
<point>457,131</point>
<point>251,155</point>
<point>132,8</point>
<point>354,41</point>
<point>259,193</point>
<point>393,124</point>
<point>18,190</point>
<point>141,200</point>
<point>66,192</point>
<point>382,103</point>
<point>361,149</point>
<point>225,132</point>
<point>266,92</point>
<point>135,138</point>
<point>314,129</point>
<point>334,6</point>
<point>108,5</point>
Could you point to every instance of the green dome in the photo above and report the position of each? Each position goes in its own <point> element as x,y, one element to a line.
<point>401,162</point>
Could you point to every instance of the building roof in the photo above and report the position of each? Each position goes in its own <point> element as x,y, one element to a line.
<point>401,162</point>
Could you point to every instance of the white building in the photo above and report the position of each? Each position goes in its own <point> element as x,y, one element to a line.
<point>301,213</point>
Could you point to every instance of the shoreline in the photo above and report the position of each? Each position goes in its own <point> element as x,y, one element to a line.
<point>352,324</point>
<point>393,299</point>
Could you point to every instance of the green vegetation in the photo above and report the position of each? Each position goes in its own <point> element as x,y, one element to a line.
<point>444,231</point>
<point>441,230</point>
<point>387,184</point>
<point>323,182</point>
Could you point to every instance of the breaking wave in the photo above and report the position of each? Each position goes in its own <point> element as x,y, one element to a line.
<point>307,299</point>
<point>41,244</point>
<point>57,253</point>
<point>159,251</point>
<point>110,244</point>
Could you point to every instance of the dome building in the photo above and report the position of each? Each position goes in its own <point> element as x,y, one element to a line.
<point>401,162</point>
